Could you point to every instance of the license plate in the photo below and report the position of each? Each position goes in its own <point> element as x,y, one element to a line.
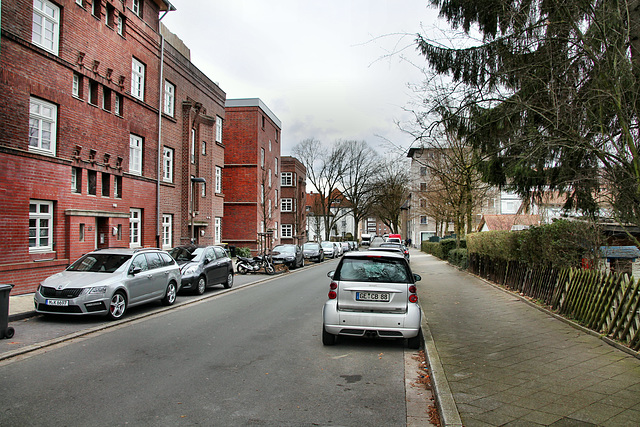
<point>372,296</point>
<point>58,302</point>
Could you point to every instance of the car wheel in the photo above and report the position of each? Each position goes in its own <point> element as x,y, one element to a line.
<point>229,282</point>
<point>117,306</point>
<point>170,296</point>
<point>201,286</point>
<point>242,269</point>
<point>414,343</point>
<point>327,338</point>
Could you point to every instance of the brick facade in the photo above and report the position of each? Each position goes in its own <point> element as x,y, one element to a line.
<point>86,77</point>
<point>295,218</point>
<point>252,162</point>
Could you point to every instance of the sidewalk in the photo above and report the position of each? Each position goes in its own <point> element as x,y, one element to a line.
<point>21,306</point>
<point>498,360</point>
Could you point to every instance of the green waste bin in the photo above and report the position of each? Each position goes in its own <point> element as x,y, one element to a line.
<point>6,331</point>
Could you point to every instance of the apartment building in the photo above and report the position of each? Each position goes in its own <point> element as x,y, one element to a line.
<point>293,187</point>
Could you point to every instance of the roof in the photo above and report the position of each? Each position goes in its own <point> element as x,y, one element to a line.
<point>254,102</point>
<point>164,5</point>
<point>506,222</point>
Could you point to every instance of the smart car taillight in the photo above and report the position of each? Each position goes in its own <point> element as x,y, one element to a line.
<point>413,296</point>
<point>332,292</point>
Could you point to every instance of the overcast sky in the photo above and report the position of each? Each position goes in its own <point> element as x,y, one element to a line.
<point>322,67</point>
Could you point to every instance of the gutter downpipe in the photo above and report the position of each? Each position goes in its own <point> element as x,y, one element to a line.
<point>160,104</point>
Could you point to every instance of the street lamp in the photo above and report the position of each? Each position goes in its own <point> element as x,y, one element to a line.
<point>194,180</point>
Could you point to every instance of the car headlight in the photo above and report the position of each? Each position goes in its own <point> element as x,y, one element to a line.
<point>190,270</point>
<point>95,290</point>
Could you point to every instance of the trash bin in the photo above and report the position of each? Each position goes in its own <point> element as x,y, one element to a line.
<point>232,249</point>
<point>5,330</point>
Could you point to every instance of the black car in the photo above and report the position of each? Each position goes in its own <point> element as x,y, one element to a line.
<point>203,266</point>
<point>289,255</point>
<point>313,251</point>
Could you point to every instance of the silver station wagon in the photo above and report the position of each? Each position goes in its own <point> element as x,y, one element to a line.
<point>108,281</point>
<point>372,294</point>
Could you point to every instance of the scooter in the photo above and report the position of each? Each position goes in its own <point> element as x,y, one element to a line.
<point>252,265</point>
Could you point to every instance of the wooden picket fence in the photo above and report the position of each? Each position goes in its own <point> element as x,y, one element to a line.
<point>606,303</point>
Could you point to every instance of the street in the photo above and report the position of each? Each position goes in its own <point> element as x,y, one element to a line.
<point>249,356</point>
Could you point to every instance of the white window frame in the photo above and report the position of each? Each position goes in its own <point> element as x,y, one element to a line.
<point>217,230</point>
<point>286,179</point>
<point>167,231</point>
<point>137,78</point>
<point>45,31</point>
<point>167,164</point>
<point>118,105</point>
<point>135,227</point>
<point>286,205</point>
<point>192,154</point>
<point>286,231</point>
<point>43,118</point>
<point>120,24</point>
<point>76,184</point>
<point>275,166</point>
<point>169,97</point>
<point>75,87</point>
<point>43,226</point>
<point>135,154</point>
<point>424,220</point>
<point>219,129</point>
<point>135,7</point>
<point>262,153</point>
<point>269,177</point>
<point>218,179</point>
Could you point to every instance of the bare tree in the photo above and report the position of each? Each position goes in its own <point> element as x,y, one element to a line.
<point>390,192</point>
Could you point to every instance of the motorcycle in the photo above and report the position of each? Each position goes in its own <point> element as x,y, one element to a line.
<point>251,265</point>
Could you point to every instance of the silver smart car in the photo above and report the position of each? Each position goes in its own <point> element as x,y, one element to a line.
<point>372,294</point>
<point>108,281</point>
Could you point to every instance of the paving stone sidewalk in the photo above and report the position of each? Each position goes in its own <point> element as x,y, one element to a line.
<point>510,364</point>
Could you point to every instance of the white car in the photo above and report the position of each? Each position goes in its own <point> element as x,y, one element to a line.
<point>372,294</point>
<point>330,250</point>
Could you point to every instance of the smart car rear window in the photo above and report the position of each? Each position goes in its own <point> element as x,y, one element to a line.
<point>373,269</point>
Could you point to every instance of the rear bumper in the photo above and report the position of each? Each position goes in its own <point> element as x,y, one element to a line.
<point>383,325</point>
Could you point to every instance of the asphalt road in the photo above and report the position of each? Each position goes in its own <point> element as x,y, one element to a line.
<point>252,356</point>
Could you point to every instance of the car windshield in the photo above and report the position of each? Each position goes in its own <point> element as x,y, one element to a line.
<point>186,253</point>
<point>373,269</point>
<point>285,249</point>
<point>100,263</point>
<point>310,246</point>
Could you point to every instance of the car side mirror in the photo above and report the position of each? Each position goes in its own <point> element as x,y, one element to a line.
<point>330,274</point>
<point>206,261</point>
<point>135,270</point>
<point>417,277</point>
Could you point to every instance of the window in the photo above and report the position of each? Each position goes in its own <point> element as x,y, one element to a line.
<point>287,230</point>
<point>219,129</point>
<point>81,233</point>
<point>218,179</point>
<point>106,98</point>
<point>169,97</point>
<point>95,8</point>
<point>269,209</point>
<point>76,88</point>
<point>167,165</point>
<point>135,222</point>
<point>45,31</point>
<point>192,153</point>
<point>423,170</point>
<point>136,7</point>
<point>40,225</point>
<point>119,232</point>
<point>275,166</point>
<point>275,231</point>
<point>423,219</point>
<point>286,179</point>
<point>76,180</point>
<point>137,79</point>
<point>262,157</point>
<point>106,184</point>
<point>218,230</point>
<point>121,21</point>
<point>286,205</point>
<point>423,203</point>
<point>119,105</point>
<point>93,92</point>
<point>42,127</point>
<point>263,122</point>
<point>117,187</point>
<point>92,177</point>
<point>204,189</point>
<point>204,148</point>
<point>423,186</point>
<point>276,199</point>
<point>167,231</point>
<point>135,154</point>
<point>269,177</point>
<point>269,145</point>
<point>110,15</point>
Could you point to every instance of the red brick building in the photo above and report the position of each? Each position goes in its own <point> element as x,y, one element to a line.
<point>82,114</point>
<point>251,182</point>
<point>293,189</point>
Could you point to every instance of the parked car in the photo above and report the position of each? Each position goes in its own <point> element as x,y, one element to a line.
<point>109,281</point>
<point>203,266</point>
<point>313,251</point>
<point>372,294</point>
<point>346,247</point>
<point>393,247</point>
<point>339,248</point>
<point>289,255</point>
<point>329,249</point>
